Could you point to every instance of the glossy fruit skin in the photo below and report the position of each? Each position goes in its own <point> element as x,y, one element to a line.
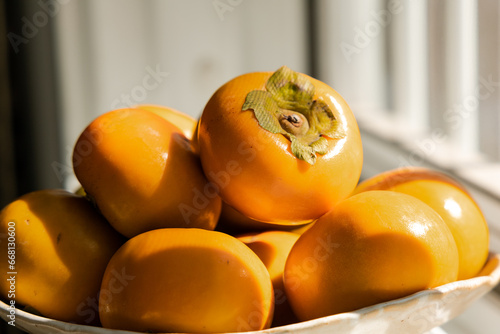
<point>273,247</point>
<point>62,247</point>
<point>255,169</point>
<point>142,174</point>
<point>451,201</point>
<point>187,281</point>
<point>183,121</point>
<point>372,247</point>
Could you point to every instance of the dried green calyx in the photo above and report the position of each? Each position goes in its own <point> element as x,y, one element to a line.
<point>287,107</point>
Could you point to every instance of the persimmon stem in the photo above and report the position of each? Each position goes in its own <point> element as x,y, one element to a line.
<point>294,123</point>
<point>289,106</point>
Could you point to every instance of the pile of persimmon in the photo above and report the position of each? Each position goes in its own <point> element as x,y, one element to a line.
<point>251,217</point>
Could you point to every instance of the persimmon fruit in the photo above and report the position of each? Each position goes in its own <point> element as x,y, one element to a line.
<point>183,121</point>
<point>184,280</point>
<point>62,247</point>
<point>282,147</point>
<point>451,200</point>
<point>372,247</point>
<point>273,247</point>
<point>142,174</point>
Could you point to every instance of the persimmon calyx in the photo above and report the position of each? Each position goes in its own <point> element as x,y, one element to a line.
<point>288,107</point>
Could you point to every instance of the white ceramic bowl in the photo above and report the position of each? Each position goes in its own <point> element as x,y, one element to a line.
<point>417,313</point>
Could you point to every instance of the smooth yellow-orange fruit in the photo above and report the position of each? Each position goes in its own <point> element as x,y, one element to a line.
<point>372,247</point>
<point>307,159</point>
<point>142,173</point>
<point>54,248</point>
<point>273,247</point>
<point>183,121</point>
<point>186,281</point>
<point>453,203</point>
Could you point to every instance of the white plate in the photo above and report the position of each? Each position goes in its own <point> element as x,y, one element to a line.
<point>417,313</point>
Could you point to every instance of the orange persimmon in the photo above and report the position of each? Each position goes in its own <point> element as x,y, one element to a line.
<point>282,147</point>
<point>61,246</point>
<point>183,121</point>
<point>372,247</point>
<point>142,174</point>
<point>451,200</point>
<point>186,281</point>
<point>273,247</point>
